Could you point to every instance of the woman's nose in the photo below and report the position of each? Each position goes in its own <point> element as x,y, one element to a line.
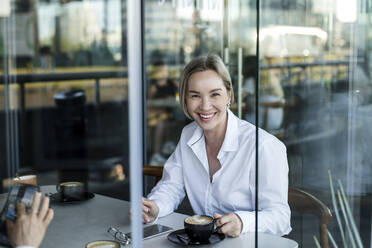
<point>205,104</point>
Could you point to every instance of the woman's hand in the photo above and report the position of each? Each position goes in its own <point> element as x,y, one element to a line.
<point>229,224</point>
<point>149,210</point>
<point>29,228</point>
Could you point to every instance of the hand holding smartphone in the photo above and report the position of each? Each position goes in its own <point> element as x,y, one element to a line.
<point>18,193</point>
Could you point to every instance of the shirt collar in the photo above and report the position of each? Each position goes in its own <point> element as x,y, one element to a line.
<point>231,141</point>
<point>196,136</point>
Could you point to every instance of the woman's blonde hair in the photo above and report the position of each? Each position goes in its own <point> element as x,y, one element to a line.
<point>200,64</point>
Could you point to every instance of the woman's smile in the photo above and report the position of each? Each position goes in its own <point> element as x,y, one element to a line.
<point>206,117</point>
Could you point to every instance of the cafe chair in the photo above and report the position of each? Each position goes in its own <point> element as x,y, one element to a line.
<point>154,171</point>
<point>303,202</point>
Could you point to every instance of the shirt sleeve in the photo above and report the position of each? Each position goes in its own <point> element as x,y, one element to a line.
<point>169,191</point>
<point>24,246</point>
<point>273,210</point>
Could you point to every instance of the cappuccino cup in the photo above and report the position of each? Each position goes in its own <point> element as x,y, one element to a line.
<point>103,244</point>
<point>199,228</point>
<point>71,191</point>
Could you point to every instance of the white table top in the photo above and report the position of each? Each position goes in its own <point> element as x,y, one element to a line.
<point>76,224</point>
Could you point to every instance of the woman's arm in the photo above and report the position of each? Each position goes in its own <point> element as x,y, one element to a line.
<point>169,191</point>
<point>273,209</point>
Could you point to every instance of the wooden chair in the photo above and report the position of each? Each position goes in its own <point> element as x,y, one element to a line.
<point>303,202</point>
<point>155,171</point>
<point>299,201</point>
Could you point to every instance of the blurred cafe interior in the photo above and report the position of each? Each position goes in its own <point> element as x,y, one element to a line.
<point>64,93</point>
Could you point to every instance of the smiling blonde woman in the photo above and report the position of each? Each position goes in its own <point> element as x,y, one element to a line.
<point>214,162</point>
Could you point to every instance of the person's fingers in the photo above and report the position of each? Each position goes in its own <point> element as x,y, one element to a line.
<point>44,207</point>
<point>35,203</point>
<point>239,222</point>
<point>218,225</point>
<point>229,224</point>
<point>227,229</point>
<point>147,203</point>
<point>145,209</point>
<point>48,217</point>
<point>146,217</point>
<point>21,209</point>
<point>149,207</point>
<point>222,220</point>
<point>217,216</point>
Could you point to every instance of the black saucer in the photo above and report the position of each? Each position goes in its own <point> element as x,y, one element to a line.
<point>180,237</point>
<point>56,198</point>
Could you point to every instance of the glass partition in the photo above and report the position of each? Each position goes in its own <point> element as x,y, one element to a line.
<point>64,93</point>
<point>314,89</point>
<point>64,96</point>
<point>315,96</point>
<point>65,79</point>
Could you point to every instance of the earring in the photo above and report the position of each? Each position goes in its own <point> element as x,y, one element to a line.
<point>228,105</point>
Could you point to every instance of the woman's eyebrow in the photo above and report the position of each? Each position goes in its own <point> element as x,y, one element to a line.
<point>194,91</point>
<point>197,92</point>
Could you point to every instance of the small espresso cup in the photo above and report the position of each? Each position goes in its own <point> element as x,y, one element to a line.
<point>26,179</point>
<point>71,191</point>
<point>103,244</point>
<point>199,227</point>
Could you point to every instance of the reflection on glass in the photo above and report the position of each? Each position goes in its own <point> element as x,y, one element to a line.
<point>315,90</point>
<point>64,104</point>
<point>316,62</point>
<point>66,65</point>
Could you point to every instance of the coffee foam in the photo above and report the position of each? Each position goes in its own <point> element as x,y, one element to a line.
<point>103,244</point>
<point>71,184</point>
<point>198,219</point>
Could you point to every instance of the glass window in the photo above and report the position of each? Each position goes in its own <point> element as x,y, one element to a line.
<point>315,96</point>
<point>64,93</point>
<point>65,77</point>
<point>64,102</point>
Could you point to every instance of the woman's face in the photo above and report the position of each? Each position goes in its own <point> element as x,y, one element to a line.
<point>206,100</point>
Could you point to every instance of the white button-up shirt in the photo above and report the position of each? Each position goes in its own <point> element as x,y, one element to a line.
<point>232,189</point>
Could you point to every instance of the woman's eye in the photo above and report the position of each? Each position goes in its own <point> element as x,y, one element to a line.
<point>215,94</point>
<point>194,96</point>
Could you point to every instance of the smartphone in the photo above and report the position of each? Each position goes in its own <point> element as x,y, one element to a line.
<point>153,231</point>
<point>18,193</point>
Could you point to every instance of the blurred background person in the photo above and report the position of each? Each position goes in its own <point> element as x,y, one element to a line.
<point>162,90</point>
